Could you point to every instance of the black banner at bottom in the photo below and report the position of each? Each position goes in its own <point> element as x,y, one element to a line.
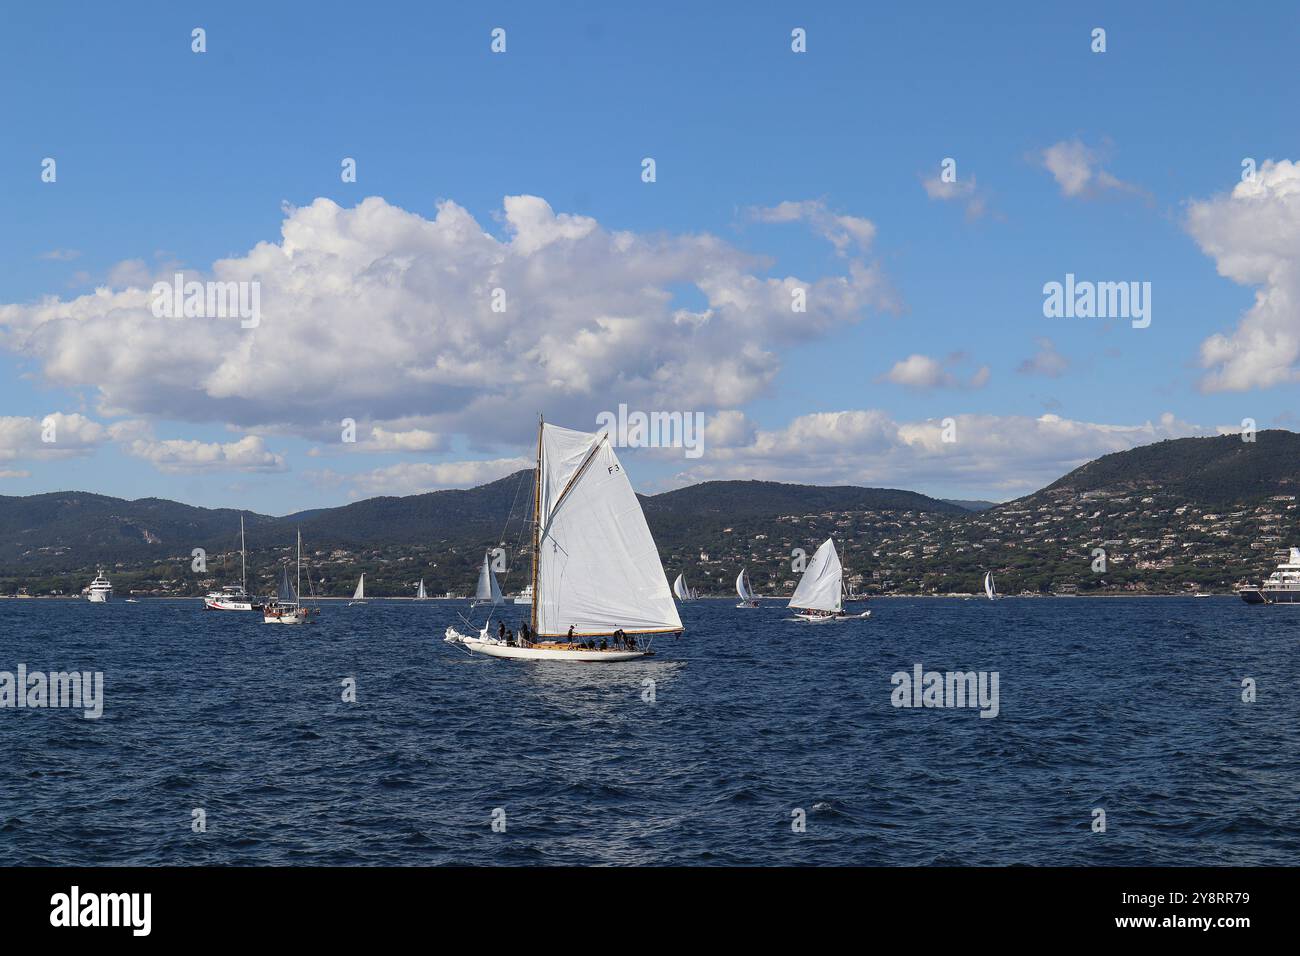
<point>335,905</point>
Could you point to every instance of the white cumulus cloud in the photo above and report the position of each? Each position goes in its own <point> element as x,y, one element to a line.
<point>1077,169</point>
<point>385,316</point>
<point>182,456</point>
<point>997,456</point>
<point>1253,236</point>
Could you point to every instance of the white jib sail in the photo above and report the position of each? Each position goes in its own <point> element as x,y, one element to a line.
<point>680,589</point>
<point>989,589</point>
<point>420,595</point>
<point>488,589</point>
<point>742,586</point>
<point>361,589</point>
<point>598,569</point>
<point>820,588</point>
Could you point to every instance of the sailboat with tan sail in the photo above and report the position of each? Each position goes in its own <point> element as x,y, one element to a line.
<point>598,584</point>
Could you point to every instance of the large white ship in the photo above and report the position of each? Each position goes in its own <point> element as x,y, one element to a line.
<point>1282,586</point>
<point>99,591</point>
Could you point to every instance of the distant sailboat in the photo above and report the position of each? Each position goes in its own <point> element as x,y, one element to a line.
<point>359,595</point>
<point>421,595</point>
<point>488,590</point>
<point>596,571</point>
<point>990,590</point>
<point>819,598</point>
<point>747,596</point>
<point>287,607</point>
<point>682,590</point>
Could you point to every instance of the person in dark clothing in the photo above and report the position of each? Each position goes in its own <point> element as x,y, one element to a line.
<point>604,645</point>
<point>570,633</point>
<point>630,641</point>
<point>524,633</point>
<point>501,630</point>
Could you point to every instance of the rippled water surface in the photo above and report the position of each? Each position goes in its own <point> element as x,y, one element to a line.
<point>1130,705</point>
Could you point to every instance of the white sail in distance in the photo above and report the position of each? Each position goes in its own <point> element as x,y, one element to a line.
<point>989,589</point>
<point>681,590</point>
<point>598,569</point>
<point>742,585</point>
<point>821,587</point>
<point>361,590</point>
<point>285,592</point>
<point>488,590</point>
<point>421,595</point>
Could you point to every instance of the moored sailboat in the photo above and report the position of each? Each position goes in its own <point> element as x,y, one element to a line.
<point>747,596</point>
<point>596,572</point>
<point>287,608</point>
<point>234,597</point>
<point>819,597</point>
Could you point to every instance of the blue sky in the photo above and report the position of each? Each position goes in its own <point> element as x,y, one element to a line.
<point>170,158</point>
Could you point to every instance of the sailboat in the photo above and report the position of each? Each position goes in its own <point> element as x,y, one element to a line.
<point>421,595</point>
<point>819,598</point>
<point>747,596</point>
<point>488,590</point>
<point>596,571</point>
<point>683,590</point>
<point>359,595</point>
<point>287,607</point>
<point>234,597</point>
<point>990,590</point>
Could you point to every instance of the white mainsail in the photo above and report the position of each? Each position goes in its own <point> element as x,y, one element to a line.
<point>821,588</point>
<point>681,590</point>
<point>742,585</point>
<point>989,589</point>
<point>421,595</point>
<point>286,593</point>
<point>361,590</point>
<point>488,590</point>
<point>598,569</point>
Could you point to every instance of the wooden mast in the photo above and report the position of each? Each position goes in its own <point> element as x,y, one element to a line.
<point>537,508</point>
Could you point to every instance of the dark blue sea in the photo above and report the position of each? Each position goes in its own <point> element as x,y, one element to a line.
<point>1133,706</point>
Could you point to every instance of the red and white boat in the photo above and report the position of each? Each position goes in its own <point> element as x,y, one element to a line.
<point>234,597</point>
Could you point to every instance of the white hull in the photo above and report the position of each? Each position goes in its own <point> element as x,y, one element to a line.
<point>299,616</point>
<point>99,597</point>
<point>836,619</point>
<point>217,604</point>
<point>538,652</point>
